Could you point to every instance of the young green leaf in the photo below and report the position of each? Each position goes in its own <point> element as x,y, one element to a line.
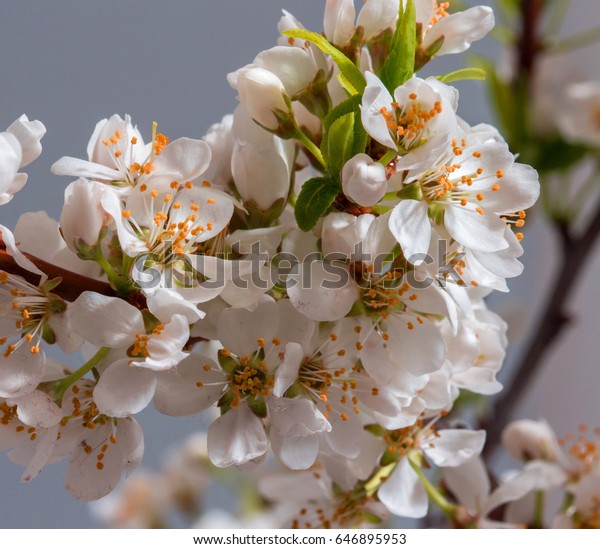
<point>314,200</point>
<point>471,73</point>
<point>400,64</point>
<point>337,144</point>
<point>351,75</point>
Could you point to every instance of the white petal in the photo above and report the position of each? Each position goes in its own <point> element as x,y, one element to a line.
<point>20,372</point>
<point>240,329</point>
<point>454,446</point>
<point>411,227</point>
<point>177,392</point>
<point>473,230</point>
<point>236,437</point>
<point>402,493</point>
<point>76,167</point>
<point>106,321</point>
<point>29,134</point>
<point>124,390</point>
<point>287,373</point>
<point>296,453</point>
<point>469,483</point>
<point>38,410</point>
<point>322,291</point>
<point>42,454</point>
<point>182,160</point>
<point>461,29</point>
<point>376,97</point>
<point>15,253</point>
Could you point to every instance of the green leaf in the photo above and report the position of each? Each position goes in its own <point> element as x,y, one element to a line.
<point>350,72</point>
<point>471,73</point>
<point>359,135</point>
<point>337,147</point>
<point>400,64</point>
<point>314,200</point>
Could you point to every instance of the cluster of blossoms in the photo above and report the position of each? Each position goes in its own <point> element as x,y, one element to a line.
<point>315,268</point>
<point>557,487</point>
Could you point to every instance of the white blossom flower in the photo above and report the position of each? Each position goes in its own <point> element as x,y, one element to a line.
<point>476,184</point>
<point>456,31</point>
<point>416,122</point>
<point>118,156</point>
<point>403,493</point>
<point>19,146</point>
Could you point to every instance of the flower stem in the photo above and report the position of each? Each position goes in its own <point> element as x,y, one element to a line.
<point>379,478</point>
<point>434,494</point>
<point>63,384</point>
<point>388,157</point>
<point>312,148</point>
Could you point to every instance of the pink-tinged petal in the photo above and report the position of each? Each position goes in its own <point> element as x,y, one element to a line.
<point>240,329</point>
<point>402,493</point>
<point>38,410</point>
<point>287,373</point>
<point>323,291</point>
<point>411,227</point>
<point>194,385</point>
<point>106,321</point>
<point>376,97</point>
<point>474,230</point>
<point>461,29</point>
<point>20,372</point>
<point>17,255</point>
<point>124,390</point>
<point>469,483</point>
<point>454,447</point>
<point>42,454</point>
<point>236,437</point>
<point>76,167</point>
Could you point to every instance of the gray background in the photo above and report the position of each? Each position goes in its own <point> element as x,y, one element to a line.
<point>70,63</point>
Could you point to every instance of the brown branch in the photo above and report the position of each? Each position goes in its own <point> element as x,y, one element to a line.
<point>552,322</point>
<point>529,43</point>
<point>72,284</point>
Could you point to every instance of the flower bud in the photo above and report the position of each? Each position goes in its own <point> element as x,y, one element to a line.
<point>364,180</point>
<point>338,21</point>
<point>82,218</point>
<point>263,95</point>
<point>527,439</point>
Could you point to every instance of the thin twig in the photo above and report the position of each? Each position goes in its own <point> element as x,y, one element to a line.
<point>553,320</point>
